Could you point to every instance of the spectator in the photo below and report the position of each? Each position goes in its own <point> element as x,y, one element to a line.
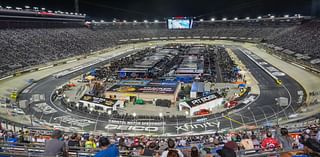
<point>150,150</point>
<point>90,143</point>
<point>286,142</point>
<point>171,148</point>
<point>228,149</point>
<point>107,149</point>
<point>73,142</point>
<point>173,153</point>
<point>255,142</point>
<point>269,143</point>
<point>54,146</point>
<point>247,144</point>
<point>195,152</point>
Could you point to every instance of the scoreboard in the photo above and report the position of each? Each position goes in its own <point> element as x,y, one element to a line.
<point>180,23</point>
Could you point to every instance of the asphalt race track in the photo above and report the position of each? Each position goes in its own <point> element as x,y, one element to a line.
<point>260,112</point>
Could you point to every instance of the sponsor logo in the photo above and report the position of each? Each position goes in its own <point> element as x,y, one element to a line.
<point>131,128</point>
<point>203,99</point>
<point>188,127</point>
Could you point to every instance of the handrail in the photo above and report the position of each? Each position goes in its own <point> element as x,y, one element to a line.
<point>21,149</point>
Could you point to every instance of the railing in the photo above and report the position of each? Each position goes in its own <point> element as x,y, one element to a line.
<point>37,150</point>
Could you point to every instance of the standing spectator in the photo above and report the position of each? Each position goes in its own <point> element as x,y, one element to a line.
<point>54,146</point>
<point>171,147</point>
<point>108,149</point>
<point>285,140</point>
<point>269,143</point>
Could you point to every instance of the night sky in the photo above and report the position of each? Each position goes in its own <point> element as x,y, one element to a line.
<point>160,9</point>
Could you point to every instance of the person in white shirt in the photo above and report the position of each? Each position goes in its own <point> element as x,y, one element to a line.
<point>171,146</point>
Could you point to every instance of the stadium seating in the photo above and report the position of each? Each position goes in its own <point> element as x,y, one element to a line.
<point>25,47</point>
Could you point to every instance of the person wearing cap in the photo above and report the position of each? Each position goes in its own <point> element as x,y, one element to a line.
<point>54,146</point>
<point>107,149</point>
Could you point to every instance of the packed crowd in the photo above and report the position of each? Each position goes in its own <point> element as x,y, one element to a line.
<point>218,144</point>
<point>23,48</point>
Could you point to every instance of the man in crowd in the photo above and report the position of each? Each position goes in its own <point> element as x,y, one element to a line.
<point>269,143</point>
<point>108,149</point>
<point>54,146</point>
<point>171,147</point>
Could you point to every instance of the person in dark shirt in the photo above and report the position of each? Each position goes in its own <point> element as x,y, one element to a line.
<point>150,150</point>
<point>73,143</point>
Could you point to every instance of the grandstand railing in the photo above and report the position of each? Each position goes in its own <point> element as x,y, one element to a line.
<point>35,150</point>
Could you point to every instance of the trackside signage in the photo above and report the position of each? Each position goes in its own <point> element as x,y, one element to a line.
<point>179,128</point>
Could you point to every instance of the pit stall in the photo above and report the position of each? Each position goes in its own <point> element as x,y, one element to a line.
<point>145,90</point>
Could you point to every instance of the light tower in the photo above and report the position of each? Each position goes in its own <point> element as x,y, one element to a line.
<point>76,6</point>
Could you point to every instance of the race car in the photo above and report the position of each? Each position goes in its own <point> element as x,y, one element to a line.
<point>202,112</point>
<point>230,104</point>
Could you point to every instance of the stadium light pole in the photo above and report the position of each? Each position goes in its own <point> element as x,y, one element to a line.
<point>161,116</point>
<point>134,119</point>
<point>187,113</point>
<point>254,118</point>
<point>265,116</point>
<point>95,126</point>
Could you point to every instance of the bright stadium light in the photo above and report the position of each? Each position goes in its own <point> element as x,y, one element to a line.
<point>247,18</point>
<point>134,21</point>
<point>8,7</point>
<point>109,112</point>
<point>156,21</point>
<point>286,16</point>
<point>43,9</point>
<point>224,19</point>
<point>272,17</point>
<point>102,21</point>
<point>114,21</point>
<point>145,21</point>
<point>124,21</point>
<point>212,19</point>
<point>134,114</point>
<point>27,7</point>
<point>259,17</point>
<point>235,18</point>
<point>201,20</point>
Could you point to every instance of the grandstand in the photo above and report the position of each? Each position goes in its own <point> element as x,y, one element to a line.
<point>34,38</point>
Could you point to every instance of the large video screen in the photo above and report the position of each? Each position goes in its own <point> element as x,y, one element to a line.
<point>180,23</point>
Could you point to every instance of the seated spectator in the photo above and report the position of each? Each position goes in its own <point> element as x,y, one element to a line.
<point>255,142</point>
<point>195,152</point>
<point>73,142</point>
<point>150,150</point>
<point>171,149</point>
<point>90,143</point>
<point>269,143</point>
<point>247,144</point>
<point>54,146</point>
<point>108,149</point>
